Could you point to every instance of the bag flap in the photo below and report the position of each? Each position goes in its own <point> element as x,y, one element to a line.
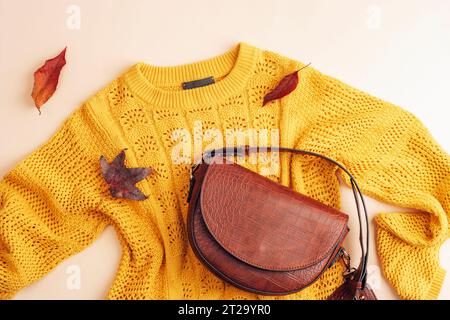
<point>265,224</point>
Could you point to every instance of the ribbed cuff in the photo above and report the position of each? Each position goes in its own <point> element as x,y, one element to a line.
<point>6,295</point>
<point>436,285</point>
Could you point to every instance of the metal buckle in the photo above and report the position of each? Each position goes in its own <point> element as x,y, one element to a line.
<point>349,271</point>
<point>194,167</point>
<point>192,180</point>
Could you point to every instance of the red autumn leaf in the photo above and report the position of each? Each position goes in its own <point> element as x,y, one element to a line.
<point>284,87</point>
<point>122,180</point>
<point>46,79</point>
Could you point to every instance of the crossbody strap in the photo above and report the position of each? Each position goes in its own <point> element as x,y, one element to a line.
<point>361,271</point>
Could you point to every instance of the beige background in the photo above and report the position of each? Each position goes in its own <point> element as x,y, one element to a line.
<point>397,50</point>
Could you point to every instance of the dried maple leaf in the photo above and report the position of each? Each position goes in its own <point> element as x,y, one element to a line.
<point>46,79</point>
<point>284,87</point>
<point>121,179</point>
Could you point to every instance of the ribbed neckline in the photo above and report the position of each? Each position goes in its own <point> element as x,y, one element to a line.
<point>233,69</point>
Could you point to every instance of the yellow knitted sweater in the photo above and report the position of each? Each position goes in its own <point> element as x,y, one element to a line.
<point>55,202</point>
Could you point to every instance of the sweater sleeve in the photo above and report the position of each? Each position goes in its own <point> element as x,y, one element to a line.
<point>395,160</point>
<point>49,205</point>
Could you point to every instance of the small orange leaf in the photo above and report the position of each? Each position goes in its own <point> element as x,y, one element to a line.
<point>46,79</point>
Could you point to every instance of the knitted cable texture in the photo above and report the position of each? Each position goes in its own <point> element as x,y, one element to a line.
<point>55,202</point>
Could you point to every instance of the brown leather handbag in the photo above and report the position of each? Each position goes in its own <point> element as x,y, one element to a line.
<point>265,238</point>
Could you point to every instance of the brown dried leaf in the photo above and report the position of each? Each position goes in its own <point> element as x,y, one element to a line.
<point>122,180</point>
<point>284,87</point>
<point>46,79</point>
